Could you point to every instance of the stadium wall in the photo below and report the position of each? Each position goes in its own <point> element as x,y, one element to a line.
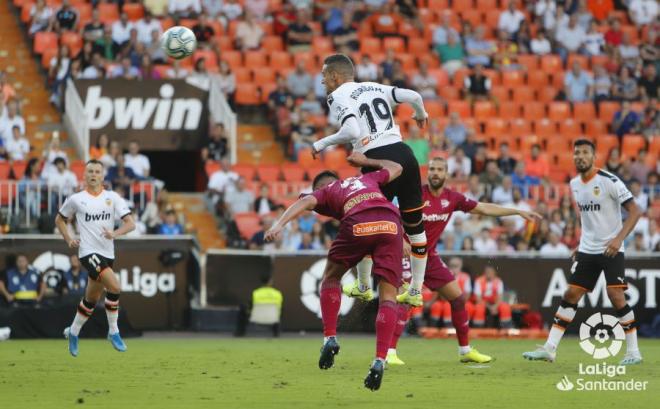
<point>232,275</point>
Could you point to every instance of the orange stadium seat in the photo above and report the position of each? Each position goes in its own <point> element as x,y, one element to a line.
<point>462,107</point>
<point>248,224</point>
<point>492,18</point>
<point>7,194</point>
<point>606,110</point>
<point>268,173</point>
<point>108,12</point>
<point>347,172</point>
<point>558,111</point>
<point>78,168</point>
<point>210,58</point>
<point>547,94</point>
<point>134,11</point>
<point>551,63</point>
<point>370,45</point>
<point>632,144</point>
<point>632,32</point>
<point>496,127</point>
<point>305,158</point>
<point>264,75</point>
<point>84,13</point>
<point>537,79</point>
<point>279,60</point>
<point>529,61</point>
<point>47,56</point>
<point>520,127</point>
<point>5,168</point>
<point>247,94</point>
<point>509,110</point>
<point>604,144</point>
<point>223,43</point>
<point>449,93</point>
<point>18,167</point>
<point>584,111</point>
<point>242,75</point>
<point>558,79</point>
<point>486,5</point>
<point>483,110</point>
<point>254,59</point>
<point>44,40</point>
<point>293,172</point>
<point>500,93</point>
<point>474,16</point>
<point>595,127</point>
<point>247,172</point>
<point>394,43</point>
<point>418,46</point>
<point>512,79</point>
<point>527,142</point>
<point>440,76</point>
<point>438,5</point>
<point>523,95</point>
<point>272,43</point>
<point>570,128</point>
<point>581,59</point>
<point>556,146</point>
<point>72,40</point>
<point>335,159</point>
<point>210,167</point>
<point>233,58</point>
<point>322,45</point>
<point>435,109</point>
<point>599,60</point>
<point>654,147</point>
<point>545,128</point>
<point>426,16</point>
<point>307,57</point>
<point>533,111</point>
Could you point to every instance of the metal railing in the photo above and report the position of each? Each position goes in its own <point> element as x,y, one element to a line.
<point>221,112</point>
<point>75,120</point>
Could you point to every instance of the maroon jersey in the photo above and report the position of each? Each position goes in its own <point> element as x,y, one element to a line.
<point>438,211</point>
<point>343,198</point>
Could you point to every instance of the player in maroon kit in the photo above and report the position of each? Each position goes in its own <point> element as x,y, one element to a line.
<point>439,204</point>
<point>370,225</point>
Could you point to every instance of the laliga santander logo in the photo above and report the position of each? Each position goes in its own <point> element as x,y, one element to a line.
<point>310,286</point>
<point>601,327</point>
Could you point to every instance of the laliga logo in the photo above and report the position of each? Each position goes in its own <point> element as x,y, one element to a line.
<point>310,285</point>
<point>601,327</point>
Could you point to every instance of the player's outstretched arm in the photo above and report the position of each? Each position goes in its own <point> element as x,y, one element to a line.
<point>634,213</point>
<point>403,95</point>
<point>300,206</point>
<point>60,222</point>
<point>348,132</point>
<point>490,209</point>
<point>360,161</point>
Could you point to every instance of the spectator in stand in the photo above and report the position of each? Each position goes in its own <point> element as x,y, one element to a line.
<point>84,57</point>
<point>504,192</point>
<point>649,52</point>
<point>258,9</point>
<point>506,56</point>
<point>510,19</point>
<point>557,225</point>
<point>459,165</point>
<point>280,96</point>
<point>137,161</point>
<point>640,171</point>
<point>216,148</point>
<point>483,243</point>
<point>554,247</point>
<point>62,183</point>
<point>540,45</point>
<point>121,175</point>
<point>641,198</point>
<point>345,38</point>
<point>125,70</point>
<point>570,237</point>
<point>40,17</point>
<point>583,14</point>
<point>155,51</point>
<point>521,180</point>
<point>455,131</point>
<point>419,145</point>
<point>303,134</point>
<point>451,54</point>
<point>248,33</point>
<point>109,159</point>
<point>625,120</point>
<point>7,90</point>
<point>220,182</point>
<point>425,83</point>
<point>649,124</point>
<point>147,70</point>
<point>146,26</point>
<point>399,77</point>
<point>121,29</point>
<point>184,8</point>
<point>520,204</point>
<point>175,71</point>
<point>602,85</point>
<point>625,86</point>
<point>366,70</point>
<point>477,85</point>
<point>65,18</point>
<point>386,67</point>
<point>554,23</point>
<point>505,162</point>
<point>203,30</point>
<point>299,82</point>
<point>257,241</point>
<point>9,119</point>
<point>51,152</point>
<point>386,21</point>
<point>524,38</point>
<point>643,12</point>
<point>594,41</point>
<point>649,83</point>
<point>263,204</point>
<point>613,164</point>
<point>543,8</point>
<point>200,76</point>
<point>227,81</point>
<point>154,212</point>
<point>503,246</point>
<point>489,290</point>
<point>333,16</point>
<point>100,148</point>
<point>600,9</point>
<point>299,34</point>
<point>106,47</point>
<point>170,226</point>
<point>629,52</point>
<point>470,144</point>
<point>24,284</point>
<point>475,190</point>
<point>131,48</point>
<point>311,105</point>
<point>17,146</point>
<point>491,177</point>
<point>479,50</point>
<point>578,84</point>
<point>74,280</point>
<point>96,70</point>
<point>537,164</point>
<point>570,39</point>
<point>231,10</point>
<point>614,35</point>
<point>444,30</point>
<point>239,200</point>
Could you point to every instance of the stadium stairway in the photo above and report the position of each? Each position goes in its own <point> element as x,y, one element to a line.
<point>198,219</point>
<point>24,72</point>
<point>257,146</point>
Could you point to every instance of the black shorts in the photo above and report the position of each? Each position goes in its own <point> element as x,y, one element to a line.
<point>95,264</point>
<point>408,187</point>
<point>587,268</point>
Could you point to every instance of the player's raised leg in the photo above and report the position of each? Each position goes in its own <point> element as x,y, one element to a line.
<point>85,309</point>
<point>330,303</point>
<point>112,287</point>
<point>361,288</point>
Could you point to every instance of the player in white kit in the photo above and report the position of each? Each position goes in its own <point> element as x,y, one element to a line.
<point>95,211</point>
<point>599,196</point>
<point>365,113</point>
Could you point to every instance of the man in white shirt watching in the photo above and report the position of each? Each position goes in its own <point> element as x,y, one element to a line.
<point>17,146</point>
<point>510,19</point>
<point>554,247</point>
<point>137,161</point>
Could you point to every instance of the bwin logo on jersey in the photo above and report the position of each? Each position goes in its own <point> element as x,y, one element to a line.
<point>589,207</point>
<point>97,217</point>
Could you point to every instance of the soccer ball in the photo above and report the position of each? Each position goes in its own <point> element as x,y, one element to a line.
<point>178,42</point>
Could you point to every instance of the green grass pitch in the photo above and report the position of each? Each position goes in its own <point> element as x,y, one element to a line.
<point>175,372</point>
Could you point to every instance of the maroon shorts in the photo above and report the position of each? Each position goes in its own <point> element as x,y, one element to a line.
<point>375,232</point>
<point>437,273</point>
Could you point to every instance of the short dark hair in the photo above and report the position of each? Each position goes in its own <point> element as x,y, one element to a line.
<point>94,162</point>
<point>340,63</point>
<point>59,160</point>
<point>324,174</point>
<point>582,142</point>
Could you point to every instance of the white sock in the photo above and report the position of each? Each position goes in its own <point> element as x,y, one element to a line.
<point>80,319</point>
<point>391,351</point>
<point>628,323</point>
<point>364,273</point>
<point>325,339</point>
<point>112,312</point>
<point>564,313</point>
<point>417,262</point>
<point>464,350</point>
